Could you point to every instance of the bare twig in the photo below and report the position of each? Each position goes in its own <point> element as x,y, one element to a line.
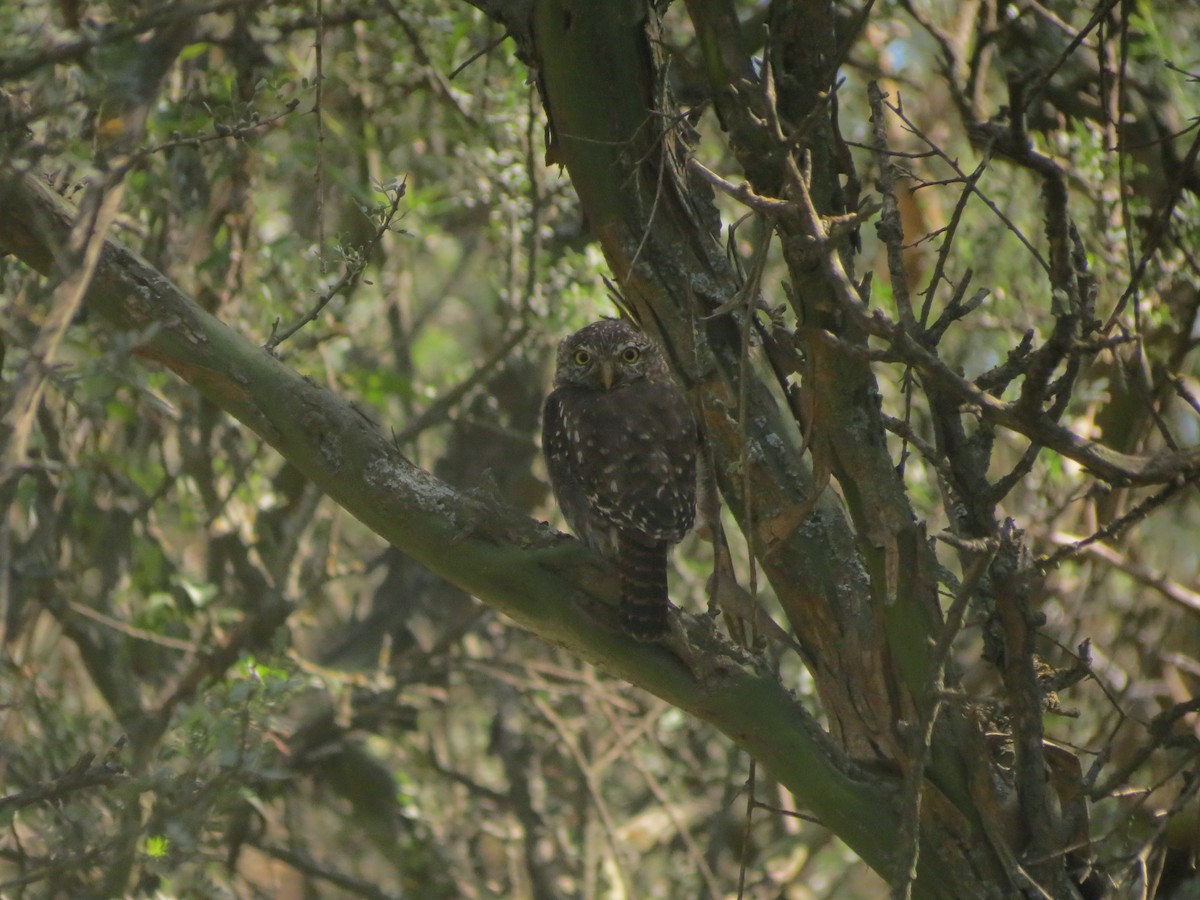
<point>1169,588</point>
<point>743,193</point>
<point>670,806</point>
<point>790,813</point>
<point>440,83</point>
<point>921,735</point>
<point>158,16</point>
<point>1159,729</point>
<point>953,310</point>
<point>1098,16</point>
<point>930,453</point>
<point>97,212</point>
<point>1156,232</point>
<point>349,278</point>
<point>750,805</point>
<point>1111,465</point>
<point>440,409</point>
<point>890,229</point>
<point>302,862</point>
<point>255,128</point>
<point>85,773</point>
<point>568,738</point>
<point>319,116</point>
<point>478,54</point>
<point>1115,527</point>
<point>125,628</point>
<point>975,189</point>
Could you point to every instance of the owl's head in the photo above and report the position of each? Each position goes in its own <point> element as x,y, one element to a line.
<point>606,355</point>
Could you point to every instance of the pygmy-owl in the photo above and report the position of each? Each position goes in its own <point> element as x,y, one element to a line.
<point>620,445</point>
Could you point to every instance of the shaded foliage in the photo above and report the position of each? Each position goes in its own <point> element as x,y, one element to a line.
<point>927,271</point>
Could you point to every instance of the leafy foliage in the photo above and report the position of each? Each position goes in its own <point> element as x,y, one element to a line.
<point>216,682</point>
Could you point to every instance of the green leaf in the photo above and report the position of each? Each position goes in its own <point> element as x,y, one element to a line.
<point>157,846</point>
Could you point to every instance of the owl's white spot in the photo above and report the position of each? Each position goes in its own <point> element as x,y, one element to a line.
<point>612,485</point>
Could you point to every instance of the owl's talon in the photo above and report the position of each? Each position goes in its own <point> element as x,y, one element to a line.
<point>704,662</point>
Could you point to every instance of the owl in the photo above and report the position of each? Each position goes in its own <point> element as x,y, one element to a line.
<point>620,445</point>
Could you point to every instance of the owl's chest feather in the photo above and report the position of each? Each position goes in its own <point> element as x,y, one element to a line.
<point>628,455</point>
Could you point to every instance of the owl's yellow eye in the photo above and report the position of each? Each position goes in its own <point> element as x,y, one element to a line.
<point>582,357</point>
<point>631,354</point>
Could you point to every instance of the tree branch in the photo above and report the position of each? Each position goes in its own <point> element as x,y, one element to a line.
<point>518,566</point>
<point>83,774</point>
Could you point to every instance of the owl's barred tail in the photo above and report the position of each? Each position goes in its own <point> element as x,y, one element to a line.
<point>643,569</point>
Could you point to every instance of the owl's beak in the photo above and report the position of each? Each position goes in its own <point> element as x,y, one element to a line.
<point>607,373</point>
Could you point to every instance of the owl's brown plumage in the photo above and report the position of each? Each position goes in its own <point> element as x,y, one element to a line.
<point>620,445</point>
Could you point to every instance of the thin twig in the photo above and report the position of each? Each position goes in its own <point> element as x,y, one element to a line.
<point>97,211</point>
<point>922,735</point>
<point>257,128</point>
<point>439,409</point>
<point>568,738</point>
<point>743,193</point>
<point>302,862</point>
<point>158,17</point>
<point>790,813</point>
<point>1038,86</point>
<point>318,113</point>
<point>125,628</point>
<point>1116,526</point>
<point>352,273</point>
<point>483,51</point>
<point>743,862</point>
<point>1169,588</point>
<point>669,805</point>
<point>953,164</point>
<point>890,228</point>
<point>85,773</point>
<point>1156,231</point>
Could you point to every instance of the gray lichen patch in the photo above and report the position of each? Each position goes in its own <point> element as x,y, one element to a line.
<point>412,486</point>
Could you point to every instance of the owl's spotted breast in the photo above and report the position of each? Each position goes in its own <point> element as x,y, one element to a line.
<point>637,471</point>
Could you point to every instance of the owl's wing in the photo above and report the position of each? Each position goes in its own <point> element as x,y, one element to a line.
<point>556,443</point>
<point>565,464</point>
<point>660,501</point>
